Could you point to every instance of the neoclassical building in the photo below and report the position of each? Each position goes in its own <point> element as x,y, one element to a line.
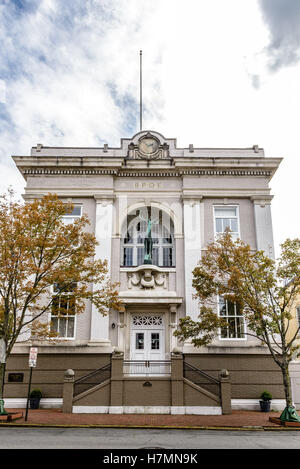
<point>153,207</point>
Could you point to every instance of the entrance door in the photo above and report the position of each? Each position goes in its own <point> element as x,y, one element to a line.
<point>147,348</point>
<point>147,345</point>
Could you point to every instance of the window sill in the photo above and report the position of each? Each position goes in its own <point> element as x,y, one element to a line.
<point>139,267</point>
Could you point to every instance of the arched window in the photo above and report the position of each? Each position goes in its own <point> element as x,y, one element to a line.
<point>136,229</point>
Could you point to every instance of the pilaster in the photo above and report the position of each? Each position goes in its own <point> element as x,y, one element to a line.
<point>263,225</point>
<point>103,232</point>
<point>192,251</point>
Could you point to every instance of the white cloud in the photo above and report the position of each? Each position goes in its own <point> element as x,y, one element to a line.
<point>71,71</point>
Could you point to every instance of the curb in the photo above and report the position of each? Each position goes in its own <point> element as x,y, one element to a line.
<point>160,427</point>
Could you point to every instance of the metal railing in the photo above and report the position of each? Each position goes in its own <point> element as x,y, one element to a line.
<point>202,379</point>
<point>147,367</point>
<point>92,379</point>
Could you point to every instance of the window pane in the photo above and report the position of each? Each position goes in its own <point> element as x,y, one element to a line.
<point>62,327</point>
<point>155,256</point>
<point>230,308</point>
<point>128,261</point>
<point>219,226</point>
<point>70,330</point>
<point>140,255</point>
<point>76,212</point>
<point>68,220</point>
<point>231,327</point>
<point>222,306</point>
<point>55,305</point>
<point>226,223</point>
<point>155,341</point>
<point>71,305</point>
<point>234,225</point>
<point>225,212</point>
<point>63,304</point>
<point>167,257</point>
<point>139,341</point>
<point>240,327</point>
<point>54,324</point>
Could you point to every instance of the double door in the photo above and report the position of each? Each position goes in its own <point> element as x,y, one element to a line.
<point>147,351</point>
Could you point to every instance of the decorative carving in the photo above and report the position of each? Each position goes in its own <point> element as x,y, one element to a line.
<point>141,320</point>
<point>148,148</point>
<point>147,277</point>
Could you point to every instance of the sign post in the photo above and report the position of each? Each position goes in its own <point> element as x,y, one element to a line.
<point>3,365</point>
<point>32,364</point>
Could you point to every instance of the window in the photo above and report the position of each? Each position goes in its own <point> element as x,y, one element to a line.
<point>227,217</point>
<point>139,341</point>
<point>155,341</point>
<point>234,317</point>
<point>70,217</point>
<point>63,311</point>
<point>135,232</point>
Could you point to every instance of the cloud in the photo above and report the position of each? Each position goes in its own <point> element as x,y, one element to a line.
<point>283,20</point>
<point>69,72</point>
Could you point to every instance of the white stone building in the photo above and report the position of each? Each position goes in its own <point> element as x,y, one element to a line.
<point>190,195</point>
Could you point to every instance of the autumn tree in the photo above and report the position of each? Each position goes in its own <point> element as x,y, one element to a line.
<point>39,251</point>
<point>264,290</point>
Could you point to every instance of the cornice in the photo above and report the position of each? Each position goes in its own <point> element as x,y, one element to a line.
<point>141,172</point>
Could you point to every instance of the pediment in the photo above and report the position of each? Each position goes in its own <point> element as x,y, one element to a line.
<point>148,145</point>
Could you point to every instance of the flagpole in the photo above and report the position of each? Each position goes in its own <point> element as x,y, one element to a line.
<point>141,95</point>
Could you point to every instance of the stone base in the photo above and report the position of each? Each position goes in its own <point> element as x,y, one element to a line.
<point>173,410</point>
<point>11,416</point>
<point>284,424</point>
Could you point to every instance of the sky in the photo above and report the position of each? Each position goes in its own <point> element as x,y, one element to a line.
<point>215,74</point>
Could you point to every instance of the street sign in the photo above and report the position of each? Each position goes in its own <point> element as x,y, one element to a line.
<point>2,351</point>
<point>33,356</point>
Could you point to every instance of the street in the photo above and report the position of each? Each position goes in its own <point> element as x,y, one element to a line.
<point>112,438</point>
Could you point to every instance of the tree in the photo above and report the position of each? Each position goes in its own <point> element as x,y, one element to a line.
<point>39,251</point>
<point>263,289</point>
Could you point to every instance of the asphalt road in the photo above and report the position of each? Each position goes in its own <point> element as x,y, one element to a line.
<point>111,438</point>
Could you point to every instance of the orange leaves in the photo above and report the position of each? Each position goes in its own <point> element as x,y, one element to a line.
<point>38,250</point>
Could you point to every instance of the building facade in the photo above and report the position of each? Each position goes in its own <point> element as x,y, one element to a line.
<point>154,208</point>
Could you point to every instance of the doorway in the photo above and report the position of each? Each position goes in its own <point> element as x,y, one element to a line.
<point>147,345</point>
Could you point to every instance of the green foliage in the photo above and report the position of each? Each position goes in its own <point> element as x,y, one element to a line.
<point>264,290</point>
<point>266,396</point>
<point>36,393</point>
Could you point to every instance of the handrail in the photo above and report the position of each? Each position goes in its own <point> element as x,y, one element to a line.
<point>102,368</point>
<point>194,368</point>
<point>147,366</point>
<point>86,382</point>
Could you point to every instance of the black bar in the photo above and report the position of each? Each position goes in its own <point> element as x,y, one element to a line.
<point>28,395</point>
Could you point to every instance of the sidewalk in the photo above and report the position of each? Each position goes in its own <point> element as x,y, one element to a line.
<point>237,420</point>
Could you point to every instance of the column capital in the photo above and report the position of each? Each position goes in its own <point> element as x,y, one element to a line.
<point>191,199</point>
<point>262,199</point>
<point>105,199</point>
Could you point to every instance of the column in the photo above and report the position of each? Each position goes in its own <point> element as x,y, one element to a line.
<point>68,391</point>
<point>192,252</point>
<point>103,233</point>
<point>225,384</point>
<point>177,384</point>
<point>263,225</point>
<point>116,383</point>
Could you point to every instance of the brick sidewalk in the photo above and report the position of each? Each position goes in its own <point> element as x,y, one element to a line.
<point>52,417</point>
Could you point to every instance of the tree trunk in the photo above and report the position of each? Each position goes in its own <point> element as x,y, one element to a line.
<point>2,372</point>
<point>287,384</point>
